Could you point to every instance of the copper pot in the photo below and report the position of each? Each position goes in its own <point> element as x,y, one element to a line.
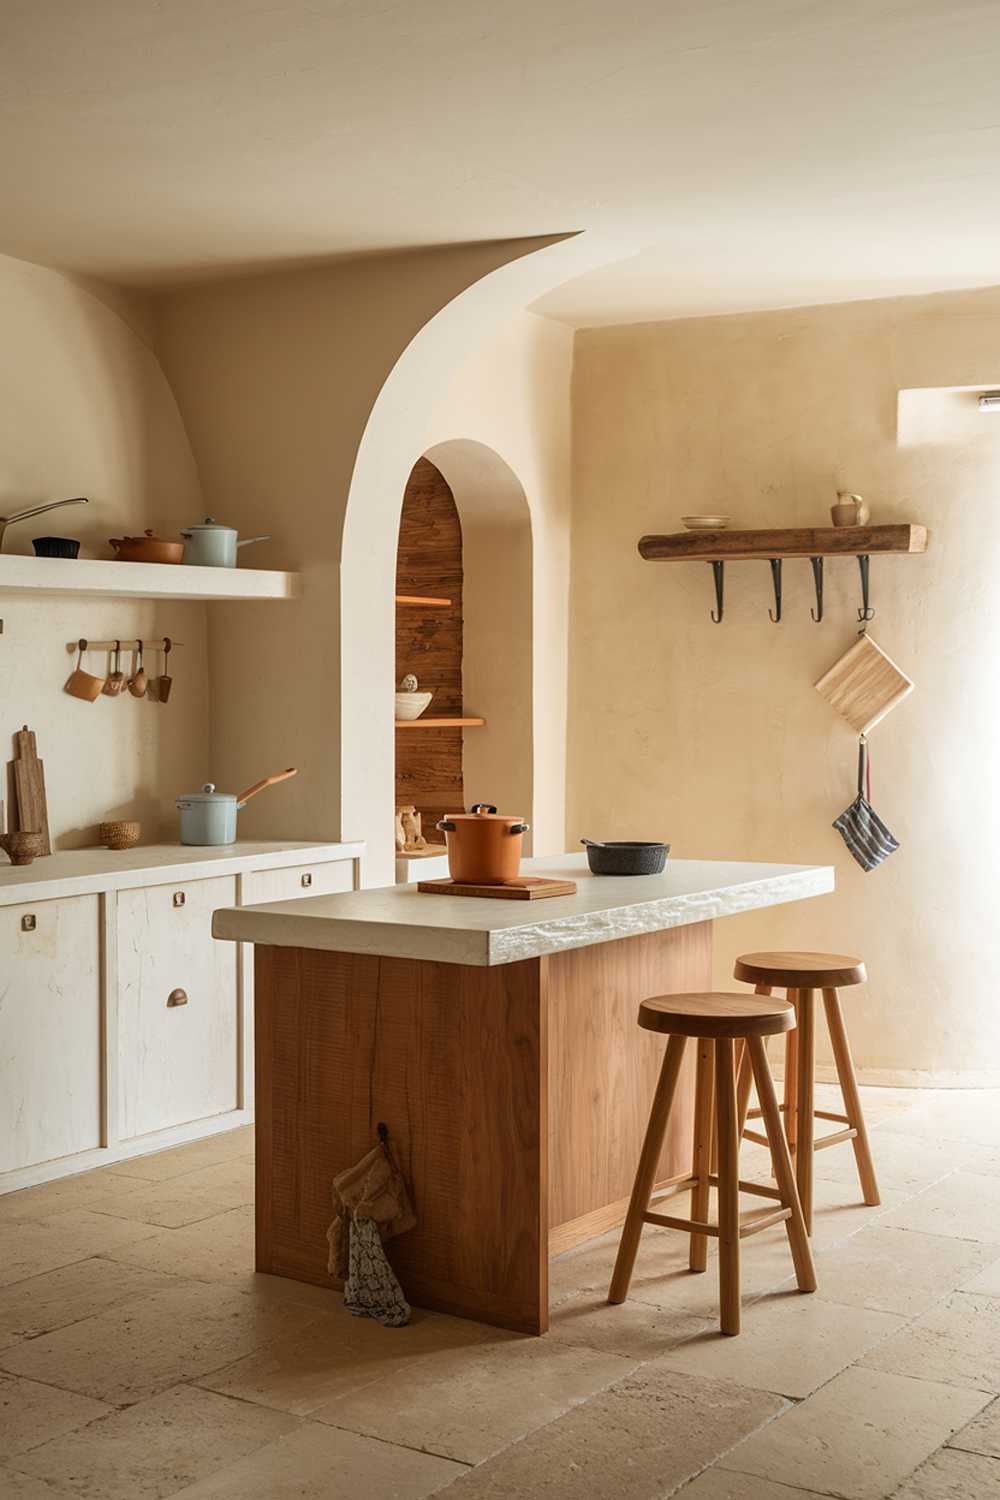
<point>484,848</point>
<point>148,548</point>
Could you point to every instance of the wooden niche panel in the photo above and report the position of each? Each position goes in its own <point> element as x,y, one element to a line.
<point>429,644</point>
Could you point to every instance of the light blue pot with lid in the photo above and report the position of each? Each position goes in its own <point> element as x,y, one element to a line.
<point>209,817</point>
<point>213,546</point>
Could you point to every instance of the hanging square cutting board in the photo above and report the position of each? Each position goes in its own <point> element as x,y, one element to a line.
<point>864,685</point>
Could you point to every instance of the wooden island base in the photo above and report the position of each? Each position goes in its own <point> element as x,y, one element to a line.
<point>516,1098</point>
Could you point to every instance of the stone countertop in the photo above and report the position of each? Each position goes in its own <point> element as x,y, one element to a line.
<point>77,872</point>
<point>400,922</point>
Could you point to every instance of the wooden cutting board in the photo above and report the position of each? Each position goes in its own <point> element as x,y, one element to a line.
<point>29,787</point>
<point>530,888</point>
<point>864,685</point>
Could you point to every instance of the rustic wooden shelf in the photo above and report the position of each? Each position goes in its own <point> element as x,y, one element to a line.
<point>101,578</point>
<point>439,723</point>
<point>426,601</point>
<point>794,541</point>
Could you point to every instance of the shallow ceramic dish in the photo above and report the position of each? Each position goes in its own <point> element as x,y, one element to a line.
<point>705,523</point>
<point>411,705</point>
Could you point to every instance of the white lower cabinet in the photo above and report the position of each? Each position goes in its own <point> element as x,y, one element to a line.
<point>50,1030</point>
<point>125,1027</point>
<point>294,881</point>
<point>178,1006</point>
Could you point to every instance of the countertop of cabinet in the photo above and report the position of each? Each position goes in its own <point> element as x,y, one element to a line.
<point>76,872</point>
<point>399,921</point>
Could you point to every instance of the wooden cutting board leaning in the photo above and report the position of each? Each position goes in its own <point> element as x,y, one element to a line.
<point>28,774</point>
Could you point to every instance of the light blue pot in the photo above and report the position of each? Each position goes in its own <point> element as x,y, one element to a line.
<point>208,816</point>
<point>213,546</point>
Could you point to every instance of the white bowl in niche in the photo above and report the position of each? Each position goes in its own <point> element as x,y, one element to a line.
<point>411,705</point>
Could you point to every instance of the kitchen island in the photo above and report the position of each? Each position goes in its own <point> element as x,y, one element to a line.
<point>498,1041</point>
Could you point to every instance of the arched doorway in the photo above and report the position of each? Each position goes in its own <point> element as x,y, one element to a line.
<point>465,535</point>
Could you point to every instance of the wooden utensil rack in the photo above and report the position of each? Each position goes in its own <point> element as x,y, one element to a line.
<point>159,644</point>
<point>772,546</point>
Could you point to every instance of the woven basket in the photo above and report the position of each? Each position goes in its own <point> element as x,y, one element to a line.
<point>119,835</point>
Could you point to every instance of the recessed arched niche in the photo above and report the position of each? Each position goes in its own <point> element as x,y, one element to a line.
<point>465,536</point>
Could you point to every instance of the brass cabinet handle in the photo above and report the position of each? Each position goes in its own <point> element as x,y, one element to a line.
<point>307,879</point>
<point>177,997</point>
<point>179,898</point>
<point>28,922</point>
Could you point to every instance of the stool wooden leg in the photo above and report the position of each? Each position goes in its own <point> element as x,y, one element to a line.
<point>792,1080</point>
<point>852,1099</point>
<point>702,1158</point>
<point>744,1083</point>
<point>729,1186</point>
<point>798,1239</point>
<point>646,1174</point>
<point>805,1123</point>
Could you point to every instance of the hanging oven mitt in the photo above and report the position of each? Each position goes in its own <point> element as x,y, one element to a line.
<point>863,831</point>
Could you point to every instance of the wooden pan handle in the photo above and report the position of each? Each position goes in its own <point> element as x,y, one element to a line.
<point>259,786</point>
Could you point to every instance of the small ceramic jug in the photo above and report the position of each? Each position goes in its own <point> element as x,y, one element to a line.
<point>850,510</point>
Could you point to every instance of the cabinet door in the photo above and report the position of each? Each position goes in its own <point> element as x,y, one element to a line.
<point>50,1030</point>
<point>297,880</point>
<point>178,1006</point>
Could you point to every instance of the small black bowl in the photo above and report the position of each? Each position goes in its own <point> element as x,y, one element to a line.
<point>626,857</point>
<point>56,546</point>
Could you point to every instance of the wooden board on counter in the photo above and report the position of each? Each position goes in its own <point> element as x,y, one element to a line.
<point>530,888</point>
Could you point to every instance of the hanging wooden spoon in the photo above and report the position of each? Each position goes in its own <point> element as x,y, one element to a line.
<point>116,679</point>
<point>137,682</point>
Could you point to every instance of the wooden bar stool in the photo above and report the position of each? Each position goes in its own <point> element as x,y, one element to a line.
<point>716,1020</point>
<point>800,975</point>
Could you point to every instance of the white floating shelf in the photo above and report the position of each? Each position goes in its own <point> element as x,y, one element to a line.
<point>64,575</point>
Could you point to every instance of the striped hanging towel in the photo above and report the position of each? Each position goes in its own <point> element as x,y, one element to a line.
<point>862,829</point>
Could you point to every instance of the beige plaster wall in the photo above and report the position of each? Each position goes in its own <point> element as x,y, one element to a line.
<point>85,409</point>
<point>508,406</point>
<point>712,736</point>
<point>308,397</point>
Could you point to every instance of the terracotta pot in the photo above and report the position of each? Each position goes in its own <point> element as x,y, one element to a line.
<point>484,848</point>
<point>148,548</point>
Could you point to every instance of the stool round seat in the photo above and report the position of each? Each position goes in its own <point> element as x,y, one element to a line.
<point>705,1014</point>
<point>791,970</point>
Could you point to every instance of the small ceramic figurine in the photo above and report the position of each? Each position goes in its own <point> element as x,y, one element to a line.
<point>850,510</point>
<point>409,684</point>
<point>409,838</point>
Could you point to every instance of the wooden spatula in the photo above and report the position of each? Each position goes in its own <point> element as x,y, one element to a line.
<point>259,786</point>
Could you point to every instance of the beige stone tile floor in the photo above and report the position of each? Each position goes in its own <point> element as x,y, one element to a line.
<point>142,1357</point>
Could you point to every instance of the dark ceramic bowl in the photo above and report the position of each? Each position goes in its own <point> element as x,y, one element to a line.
<point>626,857</point>
<point>56,546</point>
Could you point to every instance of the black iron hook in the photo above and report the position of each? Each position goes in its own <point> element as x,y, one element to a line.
<point>775,614</point>
<point>817,567</point>
<point>719,575</point>
<point>865,613</point>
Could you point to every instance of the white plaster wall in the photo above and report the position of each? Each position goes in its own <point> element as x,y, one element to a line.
<point>712,736</point>
<point>85,409</point>
<point>512,396</point>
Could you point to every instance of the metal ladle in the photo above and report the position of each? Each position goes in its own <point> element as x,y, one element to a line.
<point>37,510</point>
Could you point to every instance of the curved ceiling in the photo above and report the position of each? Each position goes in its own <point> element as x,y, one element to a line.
<point>767,153</point>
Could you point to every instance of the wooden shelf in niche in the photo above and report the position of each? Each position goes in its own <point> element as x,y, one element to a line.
<point>439,723</point>
<point>426,602</point>
<point>792,541</point>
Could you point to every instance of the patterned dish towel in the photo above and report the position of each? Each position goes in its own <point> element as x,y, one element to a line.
<point>371,1206</point>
